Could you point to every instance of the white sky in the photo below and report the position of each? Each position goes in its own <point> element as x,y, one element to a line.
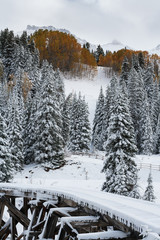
<point>132,22</point>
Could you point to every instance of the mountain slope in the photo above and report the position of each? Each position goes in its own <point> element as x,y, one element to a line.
<point>113,46</point>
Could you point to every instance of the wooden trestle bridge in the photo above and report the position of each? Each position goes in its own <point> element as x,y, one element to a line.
<point>43,214</point>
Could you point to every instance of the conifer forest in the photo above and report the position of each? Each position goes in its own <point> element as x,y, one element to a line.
<point>40,124</point>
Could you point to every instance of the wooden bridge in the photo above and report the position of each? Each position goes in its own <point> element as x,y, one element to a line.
<point>48,214</point>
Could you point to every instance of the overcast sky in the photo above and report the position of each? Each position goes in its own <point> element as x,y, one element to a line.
<point>132,22</point>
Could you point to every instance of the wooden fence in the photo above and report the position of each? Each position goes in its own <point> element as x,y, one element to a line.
<point>142,165</point>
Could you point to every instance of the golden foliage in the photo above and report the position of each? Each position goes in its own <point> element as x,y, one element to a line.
<point>26,85</point>
<point>62,50</point>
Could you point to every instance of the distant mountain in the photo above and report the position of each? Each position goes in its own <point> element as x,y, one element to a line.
<point>155,50</point>
<point>31,29</point>
<point>113,46</point>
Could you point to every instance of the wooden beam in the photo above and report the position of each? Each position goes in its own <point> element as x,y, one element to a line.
<point>32,223</point>
<point>1,213</point>
<point>15,212</point>
<point>5,230</point>
<point>50,226</point>
<point>13,223</point>
<point>61,234</point>
<point>117,224</point>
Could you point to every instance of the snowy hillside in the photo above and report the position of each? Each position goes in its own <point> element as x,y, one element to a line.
<point>84,172</point>
<point>89,88</point>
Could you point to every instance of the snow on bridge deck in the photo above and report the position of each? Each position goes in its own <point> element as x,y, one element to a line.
<point>132,212</point>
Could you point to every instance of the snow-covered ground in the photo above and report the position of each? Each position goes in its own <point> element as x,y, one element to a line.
<point>81,179</point>
<point>84,172</point>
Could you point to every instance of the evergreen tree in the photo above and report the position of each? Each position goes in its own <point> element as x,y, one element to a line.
<point>135,63</point>
<point>8,53</point>
<point>155,106</point>
<point>149,192</point>
<point>97,134</point>
<point>136,94</point>
<point>24,39</point>
<point>125,71</point>
<point>99,51</point>
<point>3,99</point>
<point>29,130</point>
<point>108,102</point>
<point>49,146</point>
<point>149,82</point>
<point>74,136</point>
<point>59,88</point>
<point>6,167</point>
<point>119,167</point>
<point>146,130</point>
<point>80,129</point>
<point>84,126</point>
<point>15,132</point>
<point>157,138</point>
<point>66,114</point>
<point>141,60</point>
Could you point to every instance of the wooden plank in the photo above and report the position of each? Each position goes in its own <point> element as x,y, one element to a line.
<point>13,224</point>
<point>16,213</point>
<point>38,226</point>
<point>28,194</point>
<point>50,226</point>
<point>61,235</point>
<point>5,229</point>
<point>117,224</point>
<point>1,213</point>
<point>32,222</point>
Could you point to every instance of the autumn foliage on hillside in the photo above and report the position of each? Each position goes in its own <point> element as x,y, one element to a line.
<point>114,60</point>
<point>62,50</point>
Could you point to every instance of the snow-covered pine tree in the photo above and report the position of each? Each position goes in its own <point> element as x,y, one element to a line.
<point>119,166</point>
<point>108,102</point>
<point>74,126</point>
<point>155,106</point>
<point>59,88</point>
<point>84,126</point>
<point>157,137</point>
<point>135,63</point>
<point>6,166</point>
<point>8,53</point>
<point>80,129</point>
<point>15,132</point>
<point>136,97</point>
<point>3,99</point>
<point>97,132</point>
<point>148,78</point>
<point>146,132</point>
<point>141,60</point>
<point>28,132</point>
<point>149,192</point>
<point>66,115</point>
<point>125,71</point>
<point>49,145</point>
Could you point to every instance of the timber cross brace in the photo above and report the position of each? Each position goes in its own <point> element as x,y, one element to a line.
<point>22,216</point>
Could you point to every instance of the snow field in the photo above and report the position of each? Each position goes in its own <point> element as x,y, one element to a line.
<point>85,173</point>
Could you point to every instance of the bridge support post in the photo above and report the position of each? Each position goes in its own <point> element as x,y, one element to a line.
<point>13,223</point>
<point>1,213</point>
